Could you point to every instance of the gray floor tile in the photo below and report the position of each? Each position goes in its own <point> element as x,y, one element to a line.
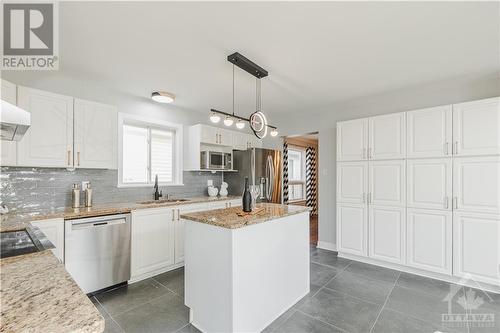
<point>164,314</point>
<point>394,322</point>
<point>343,311</point>
<point>431,286</point>
<point>312,291</point>
<point>280,320</point>
<point>362,287</point>
<point>320,274</point>
<point>300,323</point>
<point>188,329</point>
<point>111,327</point>
<point>484,311</point>
<point>426,307</point>
<point>99,307</point>
<point>373,272</point>
<point>125,298</point>
<point>173,280</point>
<point>329,258</point>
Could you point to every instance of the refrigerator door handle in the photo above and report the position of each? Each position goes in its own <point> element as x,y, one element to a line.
<point>270,177</point>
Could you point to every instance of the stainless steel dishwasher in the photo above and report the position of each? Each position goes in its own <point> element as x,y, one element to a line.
<point>97,251</point>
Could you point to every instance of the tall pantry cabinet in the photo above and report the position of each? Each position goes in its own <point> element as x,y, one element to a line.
<point>422,189</point>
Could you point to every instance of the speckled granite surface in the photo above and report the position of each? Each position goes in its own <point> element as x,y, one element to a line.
<point>38,295</point>
<point>228,217</point>
<point>11,222</point>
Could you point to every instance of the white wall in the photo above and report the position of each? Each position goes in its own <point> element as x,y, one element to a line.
<point>324,120</point>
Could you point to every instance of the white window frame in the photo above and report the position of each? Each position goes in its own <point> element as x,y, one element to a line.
<point>303,173</point>
<point>134,120</point>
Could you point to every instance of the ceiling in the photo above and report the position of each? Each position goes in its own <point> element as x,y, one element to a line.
<point>316,53</point>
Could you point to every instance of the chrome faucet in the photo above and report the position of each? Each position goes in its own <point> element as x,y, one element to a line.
<point>157,195</point>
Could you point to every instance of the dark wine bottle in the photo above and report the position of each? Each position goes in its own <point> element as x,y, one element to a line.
<point>247,198</point>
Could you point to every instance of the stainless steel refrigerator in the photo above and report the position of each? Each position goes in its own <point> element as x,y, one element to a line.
<point>268,173</point>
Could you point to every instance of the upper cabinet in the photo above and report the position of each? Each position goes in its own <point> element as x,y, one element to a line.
<point>352,136</point>
<point>95,135</point>
<point>49,140</point>
<point>387,137</point>
<point>8,152</point>
<point>429,132</point>
<point>476,127</point>
<point>214,135</point>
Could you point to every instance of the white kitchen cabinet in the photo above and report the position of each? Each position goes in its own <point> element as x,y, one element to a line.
<point>352,229</point>
<point>429,132</point>
<point>387,233</point>
<point>476,127</point>
<point>387,183</point>
<point>429,240</point>
<point>179,226</point>
<point>53,229</point>
<point>152,245</point>
<point>8,154</point>
<point>214,135</point>
<point>243,141</point>
<point>49,140</point>
<point>352,182</point>
<point>95,130</point>
<point>476,184</point>
<point>476,247</point>
<point>429,183</point>
<point>387,136</point>
<point>352,136</point>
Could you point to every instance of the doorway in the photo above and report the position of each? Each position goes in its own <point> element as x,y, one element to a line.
<point>300,176</point>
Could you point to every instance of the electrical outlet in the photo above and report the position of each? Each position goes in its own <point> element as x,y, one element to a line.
<point>84,184</point>
<point>210,182</point>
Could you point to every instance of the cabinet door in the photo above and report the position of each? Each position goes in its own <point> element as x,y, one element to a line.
<point>352,140</point>
<point>387,230</point>
<point>240,141</point>
<point>179,227</point>
<point>49,140</point>
<point>95,135</point>
<point>476,247</point>
<point>387,137</point>
<point>152,241</point>
<point>351,229</point>
<point>429,240</point>
<point>429,183</point>
<point>387,183</point>
<point>53,229</point>
<point>225,137</point>
<point>476,184</point>
<point>235,203</point>
<point>429,132</point>
<point>209,134</point>
<point>8,155</point>
<point>352,182</point>
<point>476,127</point>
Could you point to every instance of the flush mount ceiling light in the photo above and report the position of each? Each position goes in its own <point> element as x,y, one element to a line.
<point>162,97</point>
<point>258,120</point>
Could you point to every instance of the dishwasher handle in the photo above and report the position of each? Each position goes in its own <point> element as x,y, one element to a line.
<point>87,223</point>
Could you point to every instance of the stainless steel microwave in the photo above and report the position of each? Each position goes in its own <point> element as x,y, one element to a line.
<point>215,160</point>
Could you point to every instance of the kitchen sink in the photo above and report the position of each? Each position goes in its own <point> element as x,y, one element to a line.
<point>161,201</point>
<point>29,240</point>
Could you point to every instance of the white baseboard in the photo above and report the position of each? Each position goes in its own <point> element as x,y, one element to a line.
<point>327,246</point>
<point>417,271</point>
<point>147,275</point>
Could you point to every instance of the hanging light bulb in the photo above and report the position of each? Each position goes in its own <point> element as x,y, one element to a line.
<point>240,124</point>
<point>274,132</point>
<point>228,121</point>
<point>214,117</point>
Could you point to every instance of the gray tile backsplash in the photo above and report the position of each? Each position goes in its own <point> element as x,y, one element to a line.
<point>25,189</point>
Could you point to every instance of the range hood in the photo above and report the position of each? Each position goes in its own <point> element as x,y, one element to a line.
<point>14,121</point>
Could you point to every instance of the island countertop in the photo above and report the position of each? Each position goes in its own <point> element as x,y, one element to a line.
<point>229,218</point>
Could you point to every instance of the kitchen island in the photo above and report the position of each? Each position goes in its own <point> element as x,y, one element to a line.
<point>243,272</point>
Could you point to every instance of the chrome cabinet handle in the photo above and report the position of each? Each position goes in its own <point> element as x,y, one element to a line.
<point>456,148</point>
<point>364,197</point>
<point>446,147</point>
<point>370,155</point>
<point>446,202</point>
<point>364,153</point>
<point>78,157</point>
<point>69,157</point>
<point>178,214</point>
<point>455,202</point>
<point>173,215</point>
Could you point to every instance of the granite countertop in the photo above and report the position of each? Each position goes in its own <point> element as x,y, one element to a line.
<point>228,217</point>
<point>18,221</point>
<point>38,295</point>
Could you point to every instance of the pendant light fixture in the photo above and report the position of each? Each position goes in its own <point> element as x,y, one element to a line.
<point>257,120</point>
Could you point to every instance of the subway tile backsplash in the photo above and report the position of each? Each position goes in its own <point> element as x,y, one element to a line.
<point>28,189</point>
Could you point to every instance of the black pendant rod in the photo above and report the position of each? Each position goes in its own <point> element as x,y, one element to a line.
<point>237,117</point>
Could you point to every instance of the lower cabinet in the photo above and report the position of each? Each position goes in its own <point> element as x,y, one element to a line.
<point>387,234</point>
<point>54,230</point>
<point>179,229</point>
<point>476,247</point>
<point>152,245</point>
<point>429,237</point>
<point>351,229</point>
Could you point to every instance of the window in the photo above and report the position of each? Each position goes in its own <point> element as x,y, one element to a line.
<point>149,149</point>
<point>296,174</point>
